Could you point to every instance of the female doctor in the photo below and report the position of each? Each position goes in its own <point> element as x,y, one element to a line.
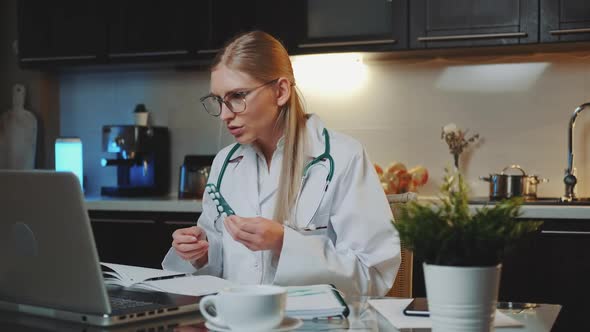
<point>309,208</point>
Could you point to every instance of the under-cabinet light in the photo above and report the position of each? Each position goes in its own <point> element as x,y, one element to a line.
<point>491,78</point>
<point>330,73</point>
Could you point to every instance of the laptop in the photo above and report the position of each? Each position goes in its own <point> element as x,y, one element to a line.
<point>49,265</point>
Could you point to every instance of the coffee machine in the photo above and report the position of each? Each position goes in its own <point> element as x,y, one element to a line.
<point>142,160</point>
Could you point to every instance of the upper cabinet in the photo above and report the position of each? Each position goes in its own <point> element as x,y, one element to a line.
<point>459,23</point>
<point>279,21</point>
<point>60,31</point>
<point>565,20</point>
<point>223,19</point>
<point>350,25</point>
<point>130,31</point>
<point>157,29</point>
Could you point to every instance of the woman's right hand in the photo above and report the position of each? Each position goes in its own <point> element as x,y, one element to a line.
<point>191,245</point>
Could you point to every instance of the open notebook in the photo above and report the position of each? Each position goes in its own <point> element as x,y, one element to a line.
<point>161,280</point>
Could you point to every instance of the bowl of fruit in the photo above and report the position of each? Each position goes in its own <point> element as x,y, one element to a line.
<point>397,179</point>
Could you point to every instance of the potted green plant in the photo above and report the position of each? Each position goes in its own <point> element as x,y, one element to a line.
<point>462,250</point>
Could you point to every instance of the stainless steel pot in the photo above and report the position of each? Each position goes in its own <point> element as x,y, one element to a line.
<point>504,185</point>
<point>514,182</point>
<point>497,185</point>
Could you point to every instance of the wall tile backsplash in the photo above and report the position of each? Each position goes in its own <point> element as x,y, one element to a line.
<point>520,105</point>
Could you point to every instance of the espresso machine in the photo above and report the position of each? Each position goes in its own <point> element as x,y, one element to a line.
<point>142,160</point>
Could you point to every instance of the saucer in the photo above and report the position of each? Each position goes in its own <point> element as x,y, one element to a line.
<point>288,324</point>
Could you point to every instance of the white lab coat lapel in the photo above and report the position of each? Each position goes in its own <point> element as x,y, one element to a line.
<point>267,194</point>
<point>245,184</point>
<point>308,207</point>
<point>308,210</point>
<point>269,189</point>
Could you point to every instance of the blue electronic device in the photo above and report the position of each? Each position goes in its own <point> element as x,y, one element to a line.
<point>68,157</point>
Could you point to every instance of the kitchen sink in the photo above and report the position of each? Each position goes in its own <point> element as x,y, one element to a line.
<point>538,201</point>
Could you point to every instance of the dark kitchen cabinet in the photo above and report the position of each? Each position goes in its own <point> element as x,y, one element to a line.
<point>156,30</point>
<point>565,20</point>
<point>279,21</point>
<point>70,32</point>
<point>224,19</point>
<point>350,25</point>
<point>60,31</point>
<point>461,23</point>
<point>140,238</point>
<point>553,267</point>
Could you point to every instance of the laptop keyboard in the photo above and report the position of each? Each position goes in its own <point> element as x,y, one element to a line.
<point>119,303</point>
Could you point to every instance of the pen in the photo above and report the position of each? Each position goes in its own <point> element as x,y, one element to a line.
<point>166,277</point>
<point>306,229</point>
<point>314,228</point>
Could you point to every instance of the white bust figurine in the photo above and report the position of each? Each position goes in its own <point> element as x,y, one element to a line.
<point>18,134</point>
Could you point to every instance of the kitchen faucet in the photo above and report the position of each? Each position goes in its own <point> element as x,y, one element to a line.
<point>570,179</point>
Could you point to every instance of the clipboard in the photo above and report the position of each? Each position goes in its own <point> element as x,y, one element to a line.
<point>316,302</point>
<point>338,295</point>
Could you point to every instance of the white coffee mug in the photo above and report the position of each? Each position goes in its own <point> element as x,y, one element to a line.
<point>246,308</point>
<point>142,118</point>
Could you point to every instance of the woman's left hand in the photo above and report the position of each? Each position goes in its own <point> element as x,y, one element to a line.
<point>256,233</point>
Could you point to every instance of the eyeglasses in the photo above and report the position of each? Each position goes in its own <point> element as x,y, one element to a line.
<point>234,101</point>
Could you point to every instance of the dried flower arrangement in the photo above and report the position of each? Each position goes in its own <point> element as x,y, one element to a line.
<point>457,140</point>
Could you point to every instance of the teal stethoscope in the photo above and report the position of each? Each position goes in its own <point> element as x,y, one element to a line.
<point>225,210</point>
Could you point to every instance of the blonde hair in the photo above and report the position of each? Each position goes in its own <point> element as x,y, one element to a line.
<point>264,58</point>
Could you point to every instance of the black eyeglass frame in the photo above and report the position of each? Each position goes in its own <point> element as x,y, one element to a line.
<point>244,93</point>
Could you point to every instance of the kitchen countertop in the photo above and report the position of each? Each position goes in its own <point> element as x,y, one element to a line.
<point>173,204</point>
<point>542,209</point>
<point>551,211</point>
<point>156,204</point>
<point>545,208</point>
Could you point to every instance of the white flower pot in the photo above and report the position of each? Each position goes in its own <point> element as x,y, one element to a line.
<point>462,299</point>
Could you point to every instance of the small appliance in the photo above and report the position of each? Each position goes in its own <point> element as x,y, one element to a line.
<point>193,176</point>
<point>142,160</point>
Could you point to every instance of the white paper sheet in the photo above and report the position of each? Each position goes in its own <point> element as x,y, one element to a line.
<point>131,274</point>
<point>392,310</point>
<point>190,285</point>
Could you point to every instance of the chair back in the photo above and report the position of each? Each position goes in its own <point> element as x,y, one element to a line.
<point>402,286</point>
